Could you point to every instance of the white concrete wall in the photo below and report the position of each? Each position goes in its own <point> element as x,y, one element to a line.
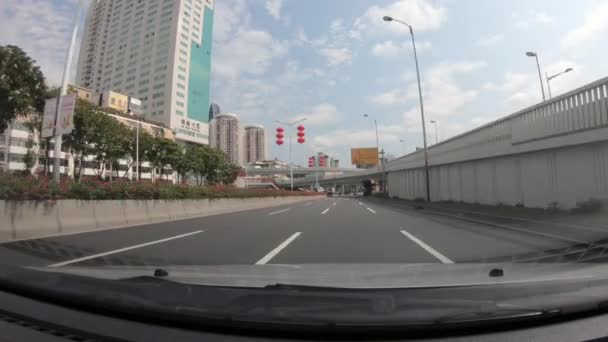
<point>35,219</point>
<point>565,175</point>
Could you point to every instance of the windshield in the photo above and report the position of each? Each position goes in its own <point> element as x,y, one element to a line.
<point>343,144</point>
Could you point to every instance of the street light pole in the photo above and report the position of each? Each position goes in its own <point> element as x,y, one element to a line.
<point>64,90</point>
<point>540,77</point>
<point>291,124</point>
<point>549,78</point>
<point>426,155</point>
<point>434,122</point>
<point>137,153</point>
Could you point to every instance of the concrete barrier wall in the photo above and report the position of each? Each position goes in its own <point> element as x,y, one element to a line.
<point>564,176</point>
<point>34,219</point>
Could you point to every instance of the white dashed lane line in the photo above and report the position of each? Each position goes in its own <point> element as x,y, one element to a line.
<point>277,250</point>
<point>280,211</point>
<point>124,249</point>
<point>428,248</point>
<point>372,210</point>
<point>325,211</point>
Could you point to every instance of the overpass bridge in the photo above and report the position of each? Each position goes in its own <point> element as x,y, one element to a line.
<point>554,153</point>
<point>299,171</point>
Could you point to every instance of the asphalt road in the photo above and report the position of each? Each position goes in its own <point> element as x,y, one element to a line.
<point>329,230</point>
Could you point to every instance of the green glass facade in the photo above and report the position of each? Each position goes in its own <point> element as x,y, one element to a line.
<point>200,72</point>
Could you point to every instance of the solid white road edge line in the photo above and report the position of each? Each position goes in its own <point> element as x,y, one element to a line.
<point>372,210</point>
<point>428,248</point>
<point>123,249</point>
<point>325,211</point>
<point>277,250</point>
<point>280,211</point>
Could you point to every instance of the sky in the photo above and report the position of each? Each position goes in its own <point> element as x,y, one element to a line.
<point>332,61</point>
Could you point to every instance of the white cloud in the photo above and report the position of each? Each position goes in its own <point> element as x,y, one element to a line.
<point>523,89</point>
<point>249,51</point>
<point>423,15</point>
<point>294,73</point>
<point>358,137</point>
<point>337,56</point>
<point>526,20</point>
<point>389,98</point>
<point>274,8</point>
<point>42,28</point>
<point>390,49</point>
<point>593,28</point>
<point>443,97</point>
<point>321,114</point>
<point>229,16</point>
<point>491,40</point>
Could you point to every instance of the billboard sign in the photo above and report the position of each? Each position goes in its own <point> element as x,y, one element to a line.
<point>65,119</point>
<point>135,106</point>
<point>364,156</point>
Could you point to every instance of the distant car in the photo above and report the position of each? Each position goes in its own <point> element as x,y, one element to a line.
<point>330,194</point>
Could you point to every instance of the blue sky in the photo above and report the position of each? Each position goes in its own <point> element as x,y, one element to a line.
<point>333,61</point>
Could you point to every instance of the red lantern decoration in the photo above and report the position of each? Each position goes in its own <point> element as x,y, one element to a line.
<point>279,142</point>
<point>280,136</point>
<point>301,140</point>
<point>280,130</point>
<point>301,128</point>
<point>322,161</point>
<point>301,134</point>
<point>311,162</point>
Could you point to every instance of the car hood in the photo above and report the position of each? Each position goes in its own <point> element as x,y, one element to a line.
<point>365,276</point>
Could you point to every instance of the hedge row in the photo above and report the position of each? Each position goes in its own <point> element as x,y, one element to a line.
<point>14,187</point>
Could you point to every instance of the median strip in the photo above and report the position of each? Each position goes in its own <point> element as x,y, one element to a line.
<point>428,248</point>
<point>123,249</point>
<point>277,250</point>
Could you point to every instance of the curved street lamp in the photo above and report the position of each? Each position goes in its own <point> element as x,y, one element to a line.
<point>535,55</point>
<point>426,155</point>
<point>549,78</point>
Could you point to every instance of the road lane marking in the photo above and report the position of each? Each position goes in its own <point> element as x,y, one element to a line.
<point>277,250</point>
<point>428,248</point>
<point>280,211</point>
<point>325,211</point>
<point>124,249</point>
<point>372,210</point>
<point>309,203</point>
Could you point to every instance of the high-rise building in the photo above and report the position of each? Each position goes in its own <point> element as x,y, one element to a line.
<point>214,110</point>
<point>158,51</point>
<point>255,143</point>
<point>225,134</point>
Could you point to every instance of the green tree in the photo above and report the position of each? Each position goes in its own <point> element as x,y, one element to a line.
<point>162,153</point>
<point>22,85</point>
<point>98,135</point>
<point>229,173</point>
<point>183,164</point>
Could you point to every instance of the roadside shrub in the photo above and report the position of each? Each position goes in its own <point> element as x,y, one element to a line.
<point>18,187</point>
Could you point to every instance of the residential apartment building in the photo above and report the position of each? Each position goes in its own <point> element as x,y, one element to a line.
<point>14,145</point>
<point>225,134</point>
<point>254,144</point>
<point>158,51</point>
